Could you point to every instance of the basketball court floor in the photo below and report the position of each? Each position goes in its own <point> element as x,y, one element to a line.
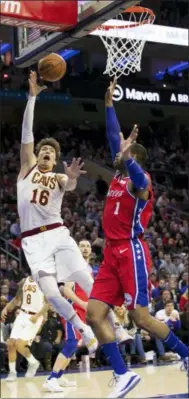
<point>157,382</point>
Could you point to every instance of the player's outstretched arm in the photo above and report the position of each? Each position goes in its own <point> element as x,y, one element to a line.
<point>15,302</point>
<point>136,173</point>
<point>27,157</point>
<point>112,125</point>
<point>67,291</point>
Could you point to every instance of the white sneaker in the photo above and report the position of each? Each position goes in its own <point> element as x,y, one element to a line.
<point>11,377</point>
<point>122,335</point>
<point>124,383</point>
<point>89,340</point>
<point>32,368</point>
<point>52,385</point>
<point>64,382</point>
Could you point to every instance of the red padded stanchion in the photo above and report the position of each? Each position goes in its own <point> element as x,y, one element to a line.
<point>47,15</point>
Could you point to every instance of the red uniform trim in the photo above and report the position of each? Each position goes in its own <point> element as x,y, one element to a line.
<point>40,229</point>
<point>26,311</point>
<point>45,171</point>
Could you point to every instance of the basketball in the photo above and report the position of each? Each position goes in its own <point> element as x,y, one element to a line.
<point>52,67</point>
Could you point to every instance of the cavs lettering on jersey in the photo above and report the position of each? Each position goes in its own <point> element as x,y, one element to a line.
<point>125,217</point>
<point>39,199</point>
<point>33,298</point>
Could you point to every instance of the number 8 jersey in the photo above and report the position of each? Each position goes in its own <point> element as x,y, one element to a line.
<point>125,217</point>
<point>39,199</point>
<point>33,298</point>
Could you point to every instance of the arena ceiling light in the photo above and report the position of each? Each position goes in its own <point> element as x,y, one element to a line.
<point>68,53</point>
<point>149,33</point>
<point>180,67</point>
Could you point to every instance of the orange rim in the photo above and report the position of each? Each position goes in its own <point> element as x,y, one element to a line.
<point>136,10</point>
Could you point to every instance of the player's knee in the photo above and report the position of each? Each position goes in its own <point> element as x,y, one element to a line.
<point>142,318</point>
<point>20,343</point>
<point>11,343</point>
<point>94,314</point>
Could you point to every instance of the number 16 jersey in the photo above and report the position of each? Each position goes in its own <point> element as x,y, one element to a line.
<point>125,217</point>
<point>39,199</point>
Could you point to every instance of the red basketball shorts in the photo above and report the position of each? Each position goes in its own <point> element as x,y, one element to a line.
<point>70,331</point>
<point>123,275</point>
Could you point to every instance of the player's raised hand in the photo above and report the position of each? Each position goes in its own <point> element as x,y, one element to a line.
<point>110,92</point>
<point>75,169</point>
<point>34,88</point>
<point>125,145</point>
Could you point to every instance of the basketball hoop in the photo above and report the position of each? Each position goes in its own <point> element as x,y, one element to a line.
<point>124,50</point>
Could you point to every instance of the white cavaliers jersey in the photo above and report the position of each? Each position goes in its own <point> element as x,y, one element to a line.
<point>33,298</point>
<point>39,199</point>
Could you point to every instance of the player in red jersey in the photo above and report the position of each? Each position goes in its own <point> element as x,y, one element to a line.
<point>123,275</point>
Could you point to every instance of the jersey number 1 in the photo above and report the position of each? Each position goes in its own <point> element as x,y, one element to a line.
<point>42,198</point>
<point>116,212</point>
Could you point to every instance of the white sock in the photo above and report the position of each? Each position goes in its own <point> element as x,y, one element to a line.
<point>12,367</point>
<point>31,359</point>
<point>78,324</point>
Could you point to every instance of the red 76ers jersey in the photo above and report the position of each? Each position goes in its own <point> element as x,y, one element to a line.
<point>125,217</point>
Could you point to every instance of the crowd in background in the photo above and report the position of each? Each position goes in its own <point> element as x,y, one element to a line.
<point>167,237</point>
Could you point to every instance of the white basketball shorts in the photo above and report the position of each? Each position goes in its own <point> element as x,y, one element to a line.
<point>54,252</point>
<point>24,329</point>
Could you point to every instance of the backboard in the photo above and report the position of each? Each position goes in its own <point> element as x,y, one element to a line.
<point>33,43</point>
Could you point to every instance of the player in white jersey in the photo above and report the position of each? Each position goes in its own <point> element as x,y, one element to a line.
<point>51,253</point>
<point>33,306</point>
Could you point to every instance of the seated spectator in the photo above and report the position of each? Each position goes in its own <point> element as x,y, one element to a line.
<point>168,265</point>
<point>15,274</point>
<point>156,292</point>
<point>16,242</point>
<point>170,316</point>
<point>177,260</point>
<point>49,341</point>
<point>162,200</point>
<point>169,313</point>
<point>166,295</point>
<point>183,282</point>
<point>4,273</point>
<point>15,229</point>
<point>184,318</point>
<point>173,287</point>
<point>5,292</point>
<point>183,303</point>
<point>137,347</point>
<point>153,279</point>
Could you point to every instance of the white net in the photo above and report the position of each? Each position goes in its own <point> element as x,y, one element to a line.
<point>124,50</point>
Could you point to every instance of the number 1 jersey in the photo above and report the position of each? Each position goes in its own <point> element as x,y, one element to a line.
<point>39,199</point>
<point>125,217</point>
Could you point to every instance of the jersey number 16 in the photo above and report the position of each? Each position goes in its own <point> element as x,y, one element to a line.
<point>40,197</point>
